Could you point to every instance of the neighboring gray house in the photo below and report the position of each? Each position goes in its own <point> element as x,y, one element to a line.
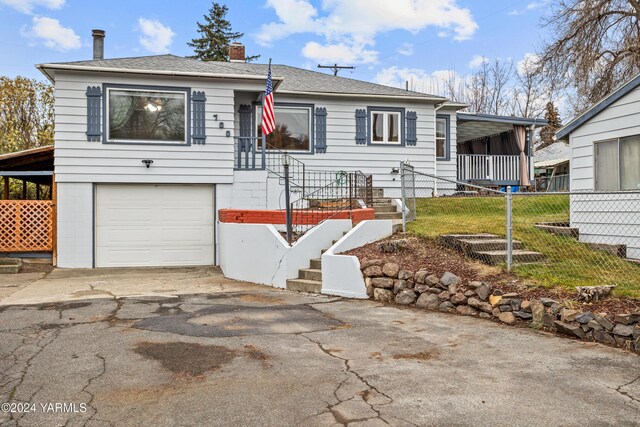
<point>137,193</point>
<point>605,157</point>
<point>551,167</point>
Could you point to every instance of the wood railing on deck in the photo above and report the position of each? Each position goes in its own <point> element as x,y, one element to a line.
<point>26,225</point>
<point>473,167</point>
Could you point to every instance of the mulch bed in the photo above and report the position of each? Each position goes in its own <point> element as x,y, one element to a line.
<point>421,253</point>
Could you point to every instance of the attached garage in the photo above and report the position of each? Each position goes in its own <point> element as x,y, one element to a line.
<point>154,225</point>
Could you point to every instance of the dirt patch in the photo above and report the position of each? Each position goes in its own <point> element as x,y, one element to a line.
<point>423,355</point>
<point>186,359</point>
<point>421,253</point>
<point>426,254</point>
<point>256,354</point>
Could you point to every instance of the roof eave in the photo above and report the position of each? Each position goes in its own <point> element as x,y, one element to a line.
<point>574,124</point>
<point>430,99</point>
<point>473,117</point>
<point>44,67</point>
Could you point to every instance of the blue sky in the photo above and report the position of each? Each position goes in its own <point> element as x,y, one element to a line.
<point>387,40</point>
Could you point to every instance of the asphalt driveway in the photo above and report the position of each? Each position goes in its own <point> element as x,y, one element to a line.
<point>241,354</point>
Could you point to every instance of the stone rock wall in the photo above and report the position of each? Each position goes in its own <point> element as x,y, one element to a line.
<point>390,283</point>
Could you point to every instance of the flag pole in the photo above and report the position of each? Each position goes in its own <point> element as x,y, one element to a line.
<point>264,137</point>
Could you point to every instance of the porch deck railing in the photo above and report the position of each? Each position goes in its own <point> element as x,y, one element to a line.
<point>252,153</point>
<point>478,167</point>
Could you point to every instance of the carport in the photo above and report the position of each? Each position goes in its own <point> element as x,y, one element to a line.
<point>27,207</point>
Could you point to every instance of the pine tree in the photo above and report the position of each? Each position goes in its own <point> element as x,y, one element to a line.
<point>215,36</point>
<point>548,132</point>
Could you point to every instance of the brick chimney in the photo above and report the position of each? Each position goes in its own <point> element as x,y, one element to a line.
<point>236,52</point>
<point>98,44</point>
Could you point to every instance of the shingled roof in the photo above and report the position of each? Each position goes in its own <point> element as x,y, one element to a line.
<point>293,79</point>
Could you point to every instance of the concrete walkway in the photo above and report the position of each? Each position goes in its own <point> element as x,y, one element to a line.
<point>80,284</point>
<point>242,354</point>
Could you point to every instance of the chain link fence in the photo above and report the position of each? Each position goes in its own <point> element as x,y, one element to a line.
<point>551,239</point>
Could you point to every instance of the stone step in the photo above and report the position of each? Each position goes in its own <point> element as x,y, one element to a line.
<point>304,285</point>
<point>316,263</point>
<point>453,240</point>
<point>10,265</point>
<point>388,215</point>
<point>310,274</point>
<point>469,246</point>
<point>386,208</point>
<point>497,257</point>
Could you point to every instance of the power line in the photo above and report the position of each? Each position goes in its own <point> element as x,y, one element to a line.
<point>335,68</point>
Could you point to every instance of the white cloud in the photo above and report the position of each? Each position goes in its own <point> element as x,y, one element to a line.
<point>531,6</point>
<point>477,61</point>
<point>339,53</point>
<point>406,49</point>
<point>420,80</point>
<point>155,37</point>
<point>52,34</point>
<point>527,63</point>
<point>27,6</point>
<point>354,24</point>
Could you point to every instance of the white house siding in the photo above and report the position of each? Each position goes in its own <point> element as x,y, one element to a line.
<point>611,218</point>
<point>620,119</point>
<point>344,154</point>
<point>608,218</point>
<point>78,160</point>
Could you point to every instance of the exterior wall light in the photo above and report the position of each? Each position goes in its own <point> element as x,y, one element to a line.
<point>147,162</point>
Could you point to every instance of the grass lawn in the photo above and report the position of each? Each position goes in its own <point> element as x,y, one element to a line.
<point>568,263</point>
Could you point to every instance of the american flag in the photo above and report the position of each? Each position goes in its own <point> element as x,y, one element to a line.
<point>268,116</point>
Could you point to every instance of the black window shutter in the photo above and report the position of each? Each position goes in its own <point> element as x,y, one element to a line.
<point>94,109</point>
<point>198,134</point>
<point>361,127</point>
<point>246,131</point>
<point>321,130</point>
<point>412,132</point>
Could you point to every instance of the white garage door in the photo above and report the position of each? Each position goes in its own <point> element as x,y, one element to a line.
<point>154,225</point>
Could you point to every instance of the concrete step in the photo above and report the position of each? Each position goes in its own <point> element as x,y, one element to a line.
<point>385,208</point>
<point>497,257</point>
<point>310,274</point>
<point>378,193</point>
<point>397,225</point>
<point>383,201</point>
<point>10,265</point>
<point>316,263</point>
<point>480,245</point>
<point>304,285</point>
<point>453,240</point>
<point>388,215</point>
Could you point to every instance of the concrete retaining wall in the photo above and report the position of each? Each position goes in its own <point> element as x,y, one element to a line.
<point>258,253</point>
<point>341,274</point>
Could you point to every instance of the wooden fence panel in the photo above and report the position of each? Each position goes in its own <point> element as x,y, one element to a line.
<point>26,225</point>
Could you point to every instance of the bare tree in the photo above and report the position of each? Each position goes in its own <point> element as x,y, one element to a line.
<point>500,76</point>
<point>529,90</point>
<point>477,90</point>
<point>594,47</point>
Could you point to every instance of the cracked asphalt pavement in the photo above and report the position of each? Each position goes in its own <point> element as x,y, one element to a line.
<point>242,354</point>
